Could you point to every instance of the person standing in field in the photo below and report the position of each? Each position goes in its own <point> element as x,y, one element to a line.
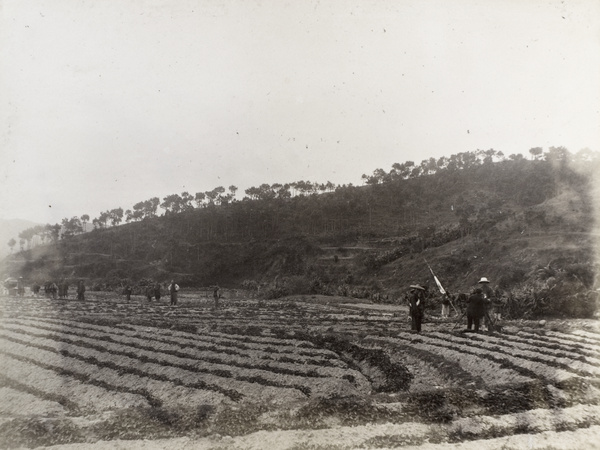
<point>60,288</point>
<point>489,295</point>
<point>417,306</point>
<point>128,291</point>
<point>446,306</point>
<point>157,292</point>
<point>80,290</point>
<point>53,290</point>
<point>149,293</point>
<point>476,309</point>
<point>20,287</point>
<point>173,289</point>
<point>216,295</point>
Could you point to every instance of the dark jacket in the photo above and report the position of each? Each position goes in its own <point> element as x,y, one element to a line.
<point>476,305</point>
<point>416,302</point>
<point>487,291</point>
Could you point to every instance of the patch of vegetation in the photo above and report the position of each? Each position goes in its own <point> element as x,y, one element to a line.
<point>397,377</point>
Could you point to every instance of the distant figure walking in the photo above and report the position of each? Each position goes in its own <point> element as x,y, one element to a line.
<point>216,295</point>
<point>149,293</point>
<point>157,292</point>
<point>20,287</point>
<point>476,309</point>
<point>417,306</point>
<point>173,289</point>
<point>63,289</point>
<point>80,290</point>
<point>128,291</point>
<point>53,288</point>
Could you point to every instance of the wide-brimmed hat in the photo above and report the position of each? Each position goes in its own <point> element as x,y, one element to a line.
<point>483,280</point>
<point>416,286</point>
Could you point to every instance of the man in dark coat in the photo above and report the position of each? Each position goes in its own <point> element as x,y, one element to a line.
<point>489,294</point>
<point>157,292</point>
<point>173,289</point>
<point>416,299</point>
<point>149,293</point>
<point>80,290</point>
<point>216,295</point>
<point>476,309</point>
<point>20,287</point>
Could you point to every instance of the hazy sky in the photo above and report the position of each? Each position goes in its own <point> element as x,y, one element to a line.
<point>109,102</point>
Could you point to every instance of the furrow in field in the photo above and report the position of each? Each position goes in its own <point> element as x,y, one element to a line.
<point>300,349</point>
<point>289,354</point>
<point>86,396</point>
<point>553,348</point>
<point>591,335</point>
<point>562,339</point>
<point>67,403</point>
<point>552,374</point>
<point>490,372</point>
<point>289,375</point>
<point>494,344</point>
<point>167,393</point>
<point>18,403</point>
<point>579,338</point>
<point>192,371</point>
<point>430,369</point>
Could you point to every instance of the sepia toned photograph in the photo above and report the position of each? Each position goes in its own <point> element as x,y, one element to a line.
<point>300,224</point>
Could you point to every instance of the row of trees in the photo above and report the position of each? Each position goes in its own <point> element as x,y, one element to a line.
<point>466,160</point>
<point>219,196</point>
<point>31,236</point>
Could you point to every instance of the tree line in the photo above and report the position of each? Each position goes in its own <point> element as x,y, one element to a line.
<point>219,196</point>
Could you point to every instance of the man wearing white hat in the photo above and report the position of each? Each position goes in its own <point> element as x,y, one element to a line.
<point>488,294</point>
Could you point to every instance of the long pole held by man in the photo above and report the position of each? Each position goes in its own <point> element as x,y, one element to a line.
<point>440,287</point>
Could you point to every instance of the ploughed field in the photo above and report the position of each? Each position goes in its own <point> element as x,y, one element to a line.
<point>291,374</point>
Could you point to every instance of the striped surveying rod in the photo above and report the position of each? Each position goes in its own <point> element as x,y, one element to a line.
<point>440,287</point>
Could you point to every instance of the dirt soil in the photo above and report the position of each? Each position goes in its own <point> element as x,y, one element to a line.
<point>296,373</point>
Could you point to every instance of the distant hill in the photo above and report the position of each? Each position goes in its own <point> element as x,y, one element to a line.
<point>526,225</point>
<point>10,228</point>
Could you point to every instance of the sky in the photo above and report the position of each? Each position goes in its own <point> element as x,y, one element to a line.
<point>107,103</point>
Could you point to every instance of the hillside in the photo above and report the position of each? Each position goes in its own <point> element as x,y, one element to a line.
<point>528,226</point>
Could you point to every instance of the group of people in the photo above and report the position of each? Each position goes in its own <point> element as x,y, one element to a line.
<point>155,291</point>
<point>60,290</point>
<point>479,305</point>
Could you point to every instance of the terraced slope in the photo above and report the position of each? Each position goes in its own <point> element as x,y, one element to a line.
<point>102,372</point>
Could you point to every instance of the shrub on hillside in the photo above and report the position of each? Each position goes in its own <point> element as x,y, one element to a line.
<point>564,299</point>
<point>298,285</point>
<point>272,292</point>
<point>581,272</point>
<point>511,277</point>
